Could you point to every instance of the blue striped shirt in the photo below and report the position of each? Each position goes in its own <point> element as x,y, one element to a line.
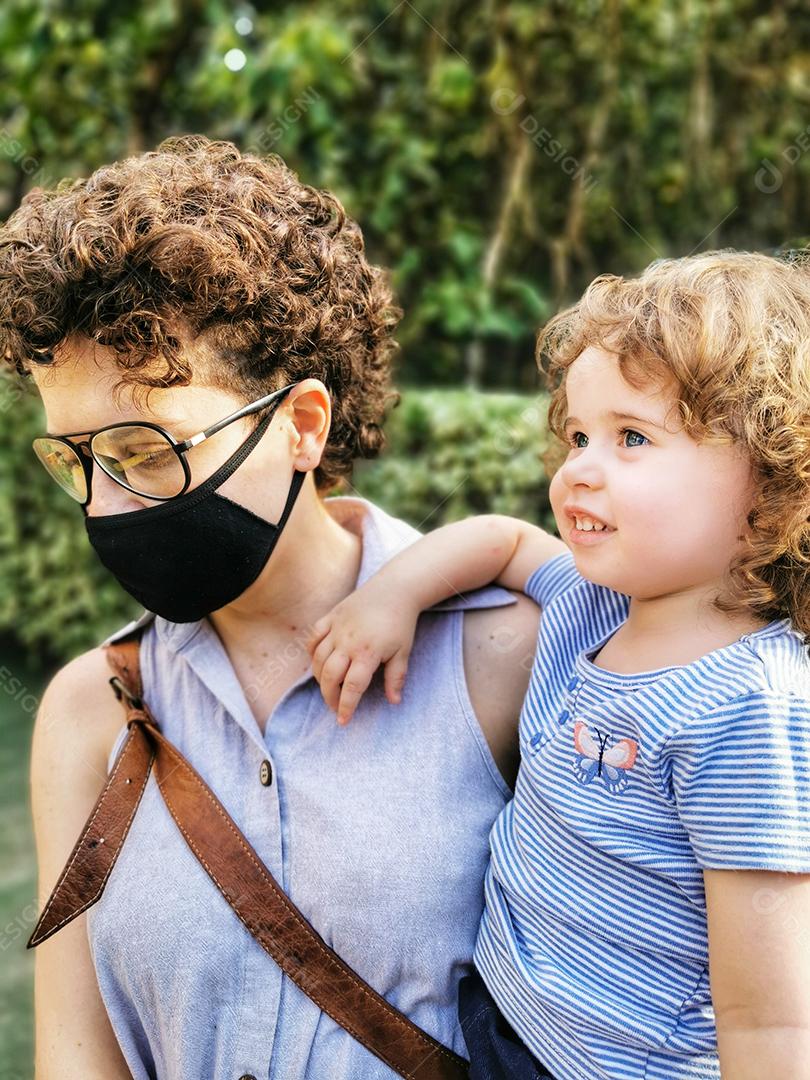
<point>594,939</point>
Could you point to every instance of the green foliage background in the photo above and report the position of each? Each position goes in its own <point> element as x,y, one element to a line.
<point>497,155</point>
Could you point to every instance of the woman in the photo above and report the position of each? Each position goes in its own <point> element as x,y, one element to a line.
<point>178,289</point>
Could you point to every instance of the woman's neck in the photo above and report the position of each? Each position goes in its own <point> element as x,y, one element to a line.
<point>314,565</point>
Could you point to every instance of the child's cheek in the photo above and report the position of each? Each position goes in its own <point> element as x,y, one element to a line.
<point>557,494</point>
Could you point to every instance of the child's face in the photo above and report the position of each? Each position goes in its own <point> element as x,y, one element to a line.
<point>677,508</point>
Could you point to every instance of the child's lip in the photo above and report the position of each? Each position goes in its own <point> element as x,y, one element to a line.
<point>577,536</point>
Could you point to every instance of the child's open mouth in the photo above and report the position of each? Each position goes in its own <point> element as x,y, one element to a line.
<point>588,531</point>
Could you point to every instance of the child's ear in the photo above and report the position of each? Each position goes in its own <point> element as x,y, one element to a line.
<point>310,411</point>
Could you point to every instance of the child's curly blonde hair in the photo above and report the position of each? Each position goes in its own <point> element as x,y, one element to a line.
<point>733,330</point>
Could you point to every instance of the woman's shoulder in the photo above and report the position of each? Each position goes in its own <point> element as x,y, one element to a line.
<point>84,679</point>
<point>499,649</point>
<point>77,721</point>
<point>73,730</point>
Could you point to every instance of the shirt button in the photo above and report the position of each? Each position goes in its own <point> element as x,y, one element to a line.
<point>535,740</point>
<point>564,716</point>
<point>266,777</point>
<point>572,683</point>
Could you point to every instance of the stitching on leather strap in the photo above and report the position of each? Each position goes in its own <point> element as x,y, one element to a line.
<point>100,806</point>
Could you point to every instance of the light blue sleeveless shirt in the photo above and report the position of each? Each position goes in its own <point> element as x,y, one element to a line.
<point>378,832</point>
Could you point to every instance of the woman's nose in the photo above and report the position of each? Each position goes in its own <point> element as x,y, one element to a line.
<point>110,498</point>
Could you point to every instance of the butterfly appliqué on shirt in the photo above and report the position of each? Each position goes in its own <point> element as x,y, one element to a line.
<point>594,758</point>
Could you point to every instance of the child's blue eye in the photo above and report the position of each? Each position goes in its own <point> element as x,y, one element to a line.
<point>572,439</point>
<point>629,431</point>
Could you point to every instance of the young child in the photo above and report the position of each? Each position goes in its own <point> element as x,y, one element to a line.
<point>665,736</point>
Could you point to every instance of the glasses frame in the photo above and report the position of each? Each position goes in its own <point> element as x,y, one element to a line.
<point>86,455</point>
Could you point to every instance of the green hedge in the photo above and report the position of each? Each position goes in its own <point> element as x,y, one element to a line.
<point>451,454</point>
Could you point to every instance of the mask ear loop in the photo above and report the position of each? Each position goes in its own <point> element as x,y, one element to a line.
<point>295,486</point>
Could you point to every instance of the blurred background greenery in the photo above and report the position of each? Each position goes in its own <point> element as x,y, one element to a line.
<point>498,156</point>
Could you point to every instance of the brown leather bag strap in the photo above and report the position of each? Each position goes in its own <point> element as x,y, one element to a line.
<point>90,863</point>
<point>236,869</point>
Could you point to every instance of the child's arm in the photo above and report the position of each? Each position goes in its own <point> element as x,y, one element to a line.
<point>376,624</point>
<point>739,775</point>
<point>759,968</point>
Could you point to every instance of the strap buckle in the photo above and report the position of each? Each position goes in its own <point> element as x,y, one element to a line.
<point>122,692</point>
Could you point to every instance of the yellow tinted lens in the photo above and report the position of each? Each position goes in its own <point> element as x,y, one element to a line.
<point>63,463</point>
<point>140,458</point>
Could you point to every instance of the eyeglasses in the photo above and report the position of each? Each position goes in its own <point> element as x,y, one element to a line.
<point>142,457</point>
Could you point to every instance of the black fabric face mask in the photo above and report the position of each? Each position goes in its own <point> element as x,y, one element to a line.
<point>194,554</point>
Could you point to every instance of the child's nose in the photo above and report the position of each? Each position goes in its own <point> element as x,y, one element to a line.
<point>585,468</point>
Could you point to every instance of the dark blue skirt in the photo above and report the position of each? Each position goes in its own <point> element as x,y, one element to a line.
<point>496,1052</point>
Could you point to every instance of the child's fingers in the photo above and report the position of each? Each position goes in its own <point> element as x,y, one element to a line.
<point>317,632</point>
<point>322,652</point>
<point>332,675</point>
<point>395,671</point>
<point>355,685</point>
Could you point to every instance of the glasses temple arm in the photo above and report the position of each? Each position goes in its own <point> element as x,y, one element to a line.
<point>246,410</point>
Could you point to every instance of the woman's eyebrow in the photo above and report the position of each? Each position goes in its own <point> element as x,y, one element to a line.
<point>613,415</point>
<point>171,424</point>
<point>177,424</point>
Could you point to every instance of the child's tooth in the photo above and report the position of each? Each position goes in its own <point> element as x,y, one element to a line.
<point>589,525</point>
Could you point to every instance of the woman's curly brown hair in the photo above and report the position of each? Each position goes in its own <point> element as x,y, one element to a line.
<point>730,331</point>
<point>267,274</point>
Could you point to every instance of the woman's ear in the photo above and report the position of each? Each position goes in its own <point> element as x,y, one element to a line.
<point>309,409</point>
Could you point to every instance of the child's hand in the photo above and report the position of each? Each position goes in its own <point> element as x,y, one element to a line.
<point>349,644</point>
